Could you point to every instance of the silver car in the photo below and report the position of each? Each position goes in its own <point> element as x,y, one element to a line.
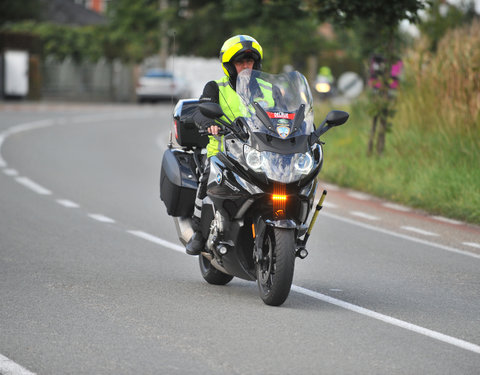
<point>157,84</point>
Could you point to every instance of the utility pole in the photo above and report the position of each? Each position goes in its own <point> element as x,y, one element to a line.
<point>163,55</point>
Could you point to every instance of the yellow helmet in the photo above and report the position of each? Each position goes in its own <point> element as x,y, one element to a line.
<point>239,46</point>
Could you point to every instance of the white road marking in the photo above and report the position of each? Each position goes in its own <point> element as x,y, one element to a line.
<point>8,367</point>
<point>346,305</point>
<point>330,187</point>
<point>329,205</point>
<point>10,172</point>
<point>67,203</point>
<point>390,320</point>
<point>25,181</point>
<point>419,231</point>
<point>157,240</point>
<point>101,218</point>
<point>21,128</point>
<point>358,195</point>
<point>446,220</point>
<point>472,244</point>
<point>13,368</point>
<point>397,207</point>
<point>160,141</point>
<point>399,235</point>
<point>71,120</point>
<point>364,215</point>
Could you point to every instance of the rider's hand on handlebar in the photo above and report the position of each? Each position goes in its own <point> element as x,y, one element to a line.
<point>214,130</point>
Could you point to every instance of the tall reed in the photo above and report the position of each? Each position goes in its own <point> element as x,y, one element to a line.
<point>443,88</point>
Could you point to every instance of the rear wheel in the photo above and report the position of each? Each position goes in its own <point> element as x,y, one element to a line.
<point>275,271</point>
<point>211,274</point>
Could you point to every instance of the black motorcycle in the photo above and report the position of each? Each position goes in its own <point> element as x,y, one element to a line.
<point>261,187</point>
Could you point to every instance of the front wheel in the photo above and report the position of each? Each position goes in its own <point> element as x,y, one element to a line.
<point>211,274</point>
<point>275,270</point>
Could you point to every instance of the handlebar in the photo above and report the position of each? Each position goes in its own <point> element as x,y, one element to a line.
<point>222,131</point>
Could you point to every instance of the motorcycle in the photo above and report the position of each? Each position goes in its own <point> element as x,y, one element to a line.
<point>261,187</point>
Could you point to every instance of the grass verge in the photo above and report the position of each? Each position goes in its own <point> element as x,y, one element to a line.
<point>424,169</point>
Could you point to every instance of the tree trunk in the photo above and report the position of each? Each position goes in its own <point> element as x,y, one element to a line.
<point>381,134</point>
<point>372,135</point>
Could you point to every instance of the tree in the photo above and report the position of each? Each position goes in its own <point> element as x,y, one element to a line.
<point>14,11</point>
<point>199,29</point>
<point>383,18</point>
<point>133,29</point>
<point>442,17</point>
<point>285,29</point>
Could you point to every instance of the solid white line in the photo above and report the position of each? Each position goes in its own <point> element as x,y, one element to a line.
<point>3,163</point>
<point>10,172</point>
<point>19,128</point>
<point>399,235</point>
<point>329,187</point>
<point>8,367</point>
<point>360,310</point>
<point>363,215</point>
<point>157,240</point>
<point>397,207</point>
<point>419,231</point>
<point>472,244</point>
<point>64,120</point>
<point>101,218</point>
<point>329,205</point>
<point>25,181</point>
<point>348,306</point>
<point>67,203</point>
<point>357,195</point>
<point>390,320</point>
<point>446,220</point>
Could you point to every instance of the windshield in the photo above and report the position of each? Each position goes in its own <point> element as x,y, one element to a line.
<point>277,104</point>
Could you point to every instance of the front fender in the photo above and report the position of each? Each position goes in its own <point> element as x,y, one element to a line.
<point>287,224</point>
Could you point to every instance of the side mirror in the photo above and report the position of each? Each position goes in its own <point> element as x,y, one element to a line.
<point>211,110</point>
<point>336,118</point>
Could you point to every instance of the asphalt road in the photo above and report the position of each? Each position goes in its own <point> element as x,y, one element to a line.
<point>93,280</point>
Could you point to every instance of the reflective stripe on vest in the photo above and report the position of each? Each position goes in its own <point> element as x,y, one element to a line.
<point>233,107</point>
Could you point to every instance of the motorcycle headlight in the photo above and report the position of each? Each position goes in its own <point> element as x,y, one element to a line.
<point>253,158</point>
<point>284,168</point>
<point>304,163</point>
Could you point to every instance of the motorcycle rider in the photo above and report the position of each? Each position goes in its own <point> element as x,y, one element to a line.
<point>237,54</point>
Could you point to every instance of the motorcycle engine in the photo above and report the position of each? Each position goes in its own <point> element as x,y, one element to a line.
<point>216,229</point>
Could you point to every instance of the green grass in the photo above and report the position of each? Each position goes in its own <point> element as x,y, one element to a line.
<point>420,168</point>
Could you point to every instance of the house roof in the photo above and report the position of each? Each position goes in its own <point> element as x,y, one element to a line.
<point>66,12</point>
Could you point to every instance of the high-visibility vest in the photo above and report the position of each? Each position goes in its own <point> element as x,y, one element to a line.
<point>233,107</point>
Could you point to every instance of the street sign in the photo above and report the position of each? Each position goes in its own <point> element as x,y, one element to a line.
<point>350,84</point>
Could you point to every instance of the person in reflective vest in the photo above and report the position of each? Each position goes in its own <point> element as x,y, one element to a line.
<point>237,53</point>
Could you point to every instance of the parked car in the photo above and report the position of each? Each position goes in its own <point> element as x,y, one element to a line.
<point>158,84</point>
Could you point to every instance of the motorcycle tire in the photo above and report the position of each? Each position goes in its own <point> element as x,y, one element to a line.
<point>275,272</point>
<point>211,274</point>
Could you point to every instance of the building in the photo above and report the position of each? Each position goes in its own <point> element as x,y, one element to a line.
<point>99,6</point>
<point>74,12</point>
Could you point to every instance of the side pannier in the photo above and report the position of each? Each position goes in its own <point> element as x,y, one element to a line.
<point>178,182</point>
